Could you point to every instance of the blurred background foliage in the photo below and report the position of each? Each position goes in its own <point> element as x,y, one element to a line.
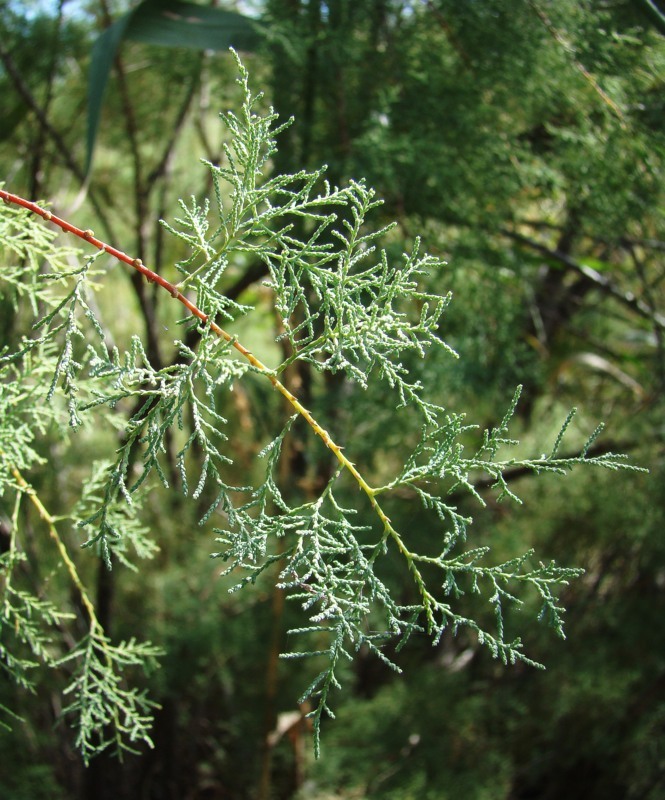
<point>525,142</point>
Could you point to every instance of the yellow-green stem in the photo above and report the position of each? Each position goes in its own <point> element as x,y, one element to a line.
<point>64,555</point>
<point>174,291</point>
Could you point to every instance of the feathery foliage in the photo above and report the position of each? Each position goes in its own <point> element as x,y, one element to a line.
<point>343,308</point>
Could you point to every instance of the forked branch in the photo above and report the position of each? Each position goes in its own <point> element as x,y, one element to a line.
<point>153,277</point>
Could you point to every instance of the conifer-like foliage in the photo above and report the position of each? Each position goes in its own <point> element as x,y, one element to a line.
<point>343,308</point>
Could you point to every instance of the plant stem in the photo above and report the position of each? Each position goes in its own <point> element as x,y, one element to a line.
<point>259,366</point>
<point>64,555</point>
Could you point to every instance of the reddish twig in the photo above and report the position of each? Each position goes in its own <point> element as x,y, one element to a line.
<point>172,289</point>
<point>135,263</point>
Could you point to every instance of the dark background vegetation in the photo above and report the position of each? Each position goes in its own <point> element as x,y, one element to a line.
<point>525,142</point>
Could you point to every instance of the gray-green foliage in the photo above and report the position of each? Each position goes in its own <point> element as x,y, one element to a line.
<point>343,308</point>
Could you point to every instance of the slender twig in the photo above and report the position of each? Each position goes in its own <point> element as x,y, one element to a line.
<point>650,244</point>
<point>389,532</point>
<point>61,146</point>
<point>22,88</point>
<point>50,522</point>
<point>129,117</point>
<point>162,165</point>
<point>37,148</point>
<point>651,303</point>
<point>557,36</point>
<point>450,35</point>
<point>627,298</point>
<point>259,366</point>
<point>96,630</point>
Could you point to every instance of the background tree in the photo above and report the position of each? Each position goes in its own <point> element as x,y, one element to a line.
<point>527,142</point>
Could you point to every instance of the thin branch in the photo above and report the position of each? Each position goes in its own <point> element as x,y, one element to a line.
<point>161,167</point>
<point>40,138</point>
<point>259,366</point>
<point>651,302</point>
<point>389,531</point>
<point>578,65</point>
<point>649,244</point>
<point>626,298</point>
<point>140,191</point>
<point>452,39</point>
<point>512,474</point>
<point>50,522</point>
<point>61,146</point>
<point>22,88</point>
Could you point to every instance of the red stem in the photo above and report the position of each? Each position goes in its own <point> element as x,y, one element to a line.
<point>172,289</point>
<point>139,266</point>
